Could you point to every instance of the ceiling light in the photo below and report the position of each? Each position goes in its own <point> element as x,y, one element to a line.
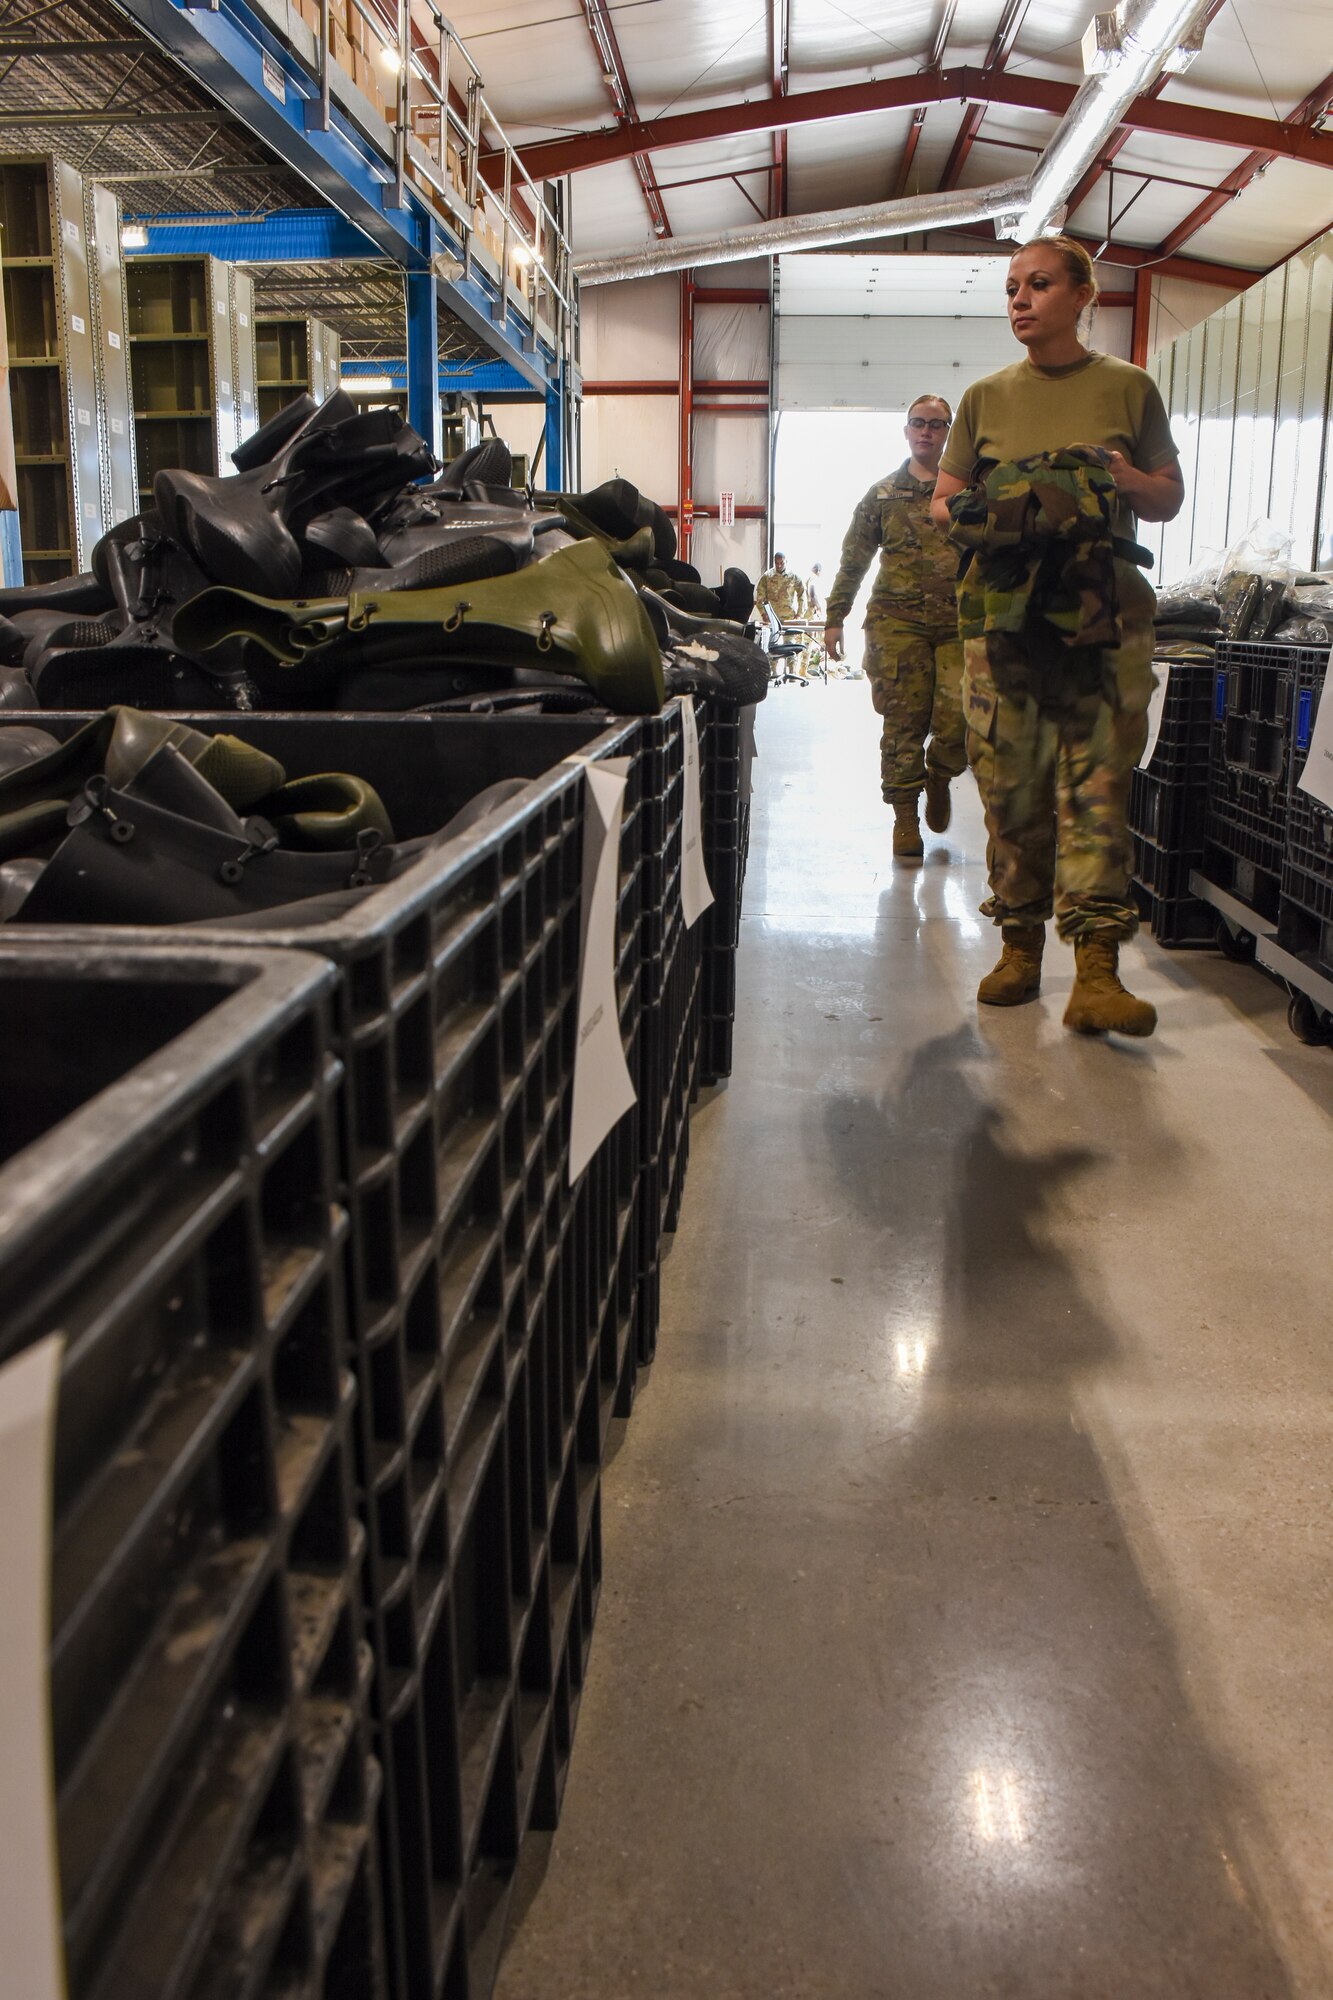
<point>134,236</point>
<point>368,385</point>
<point>389,59</point>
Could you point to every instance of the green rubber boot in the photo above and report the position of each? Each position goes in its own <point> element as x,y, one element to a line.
<point>573,612</point>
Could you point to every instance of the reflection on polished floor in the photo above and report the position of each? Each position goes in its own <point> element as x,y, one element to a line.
<point>966,1622</point>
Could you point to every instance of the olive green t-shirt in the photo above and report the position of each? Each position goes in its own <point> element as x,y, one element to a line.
<point>1026,409</point>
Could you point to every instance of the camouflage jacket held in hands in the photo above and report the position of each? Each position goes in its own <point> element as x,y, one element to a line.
<point>1040,585</point>
<point>915,579</point>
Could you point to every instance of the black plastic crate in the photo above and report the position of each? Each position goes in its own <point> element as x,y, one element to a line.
<point>725,839</point>
<point>1244,836</point>
<point>716,1049</point>
<point>1260,703</point>
<point>1181,749</point>
<point>1310,669</point>
<point>168,1202</point>
<point>1305,918</point>
<point>1169,812</point>
<point>481,1281</point>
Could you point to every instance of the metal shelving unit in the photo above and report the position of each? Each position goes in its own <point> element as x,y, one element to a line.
<point>191,363</point>
<point>58,390</point>
<point>294,356</point>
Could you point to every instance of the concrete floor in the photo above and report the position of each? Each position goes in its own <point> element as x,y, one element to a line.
<point>966,1624</point>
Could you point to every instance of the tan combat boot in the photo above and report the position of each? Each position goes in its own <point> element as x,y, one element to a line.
<point>939,806</point>
<point>907,842</point>
<point>1017,977</point>
<point>1099,1003</point>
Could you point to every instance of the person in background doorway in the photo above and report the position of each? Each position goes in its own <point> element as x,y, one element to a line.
<point>779,598</point>
<point>1057,721</point>
<point>814,592</point>
<point>913,657</point>
<point>782,590</point>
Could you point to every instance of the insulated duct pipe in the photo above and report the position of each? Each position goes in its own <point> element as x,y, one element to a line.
<point>1131,48</point>
<point>810,232</point>
<point>1143,37</point>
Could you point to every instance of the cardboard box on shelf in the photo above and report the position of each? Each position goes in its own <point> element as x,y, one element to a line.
<point>342,47</point>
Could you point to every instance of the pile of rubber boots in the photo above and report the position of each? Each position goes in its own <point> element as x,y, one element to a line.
<point>141,819</point>
<point>331,571</point>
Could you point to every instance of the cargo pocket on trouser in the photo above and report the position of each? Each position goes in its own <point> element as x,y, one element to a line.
<point>1012,751</point>
<point>948,735</point>
<point>900,665</point>
<point>1101,743</point>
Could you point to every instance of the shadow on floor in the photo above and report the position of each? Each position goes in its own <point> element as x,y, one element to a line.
<point>1064,1831</point>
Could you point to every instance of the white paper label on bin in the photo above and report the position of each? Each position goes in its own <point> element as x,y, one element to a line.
<point>29,1879</point>
<point>603,1087</point>
<point>85,417</point>
<point>1156,710</point>
<point>79,325</point>
<point>113,338</point>
<point>224,388</point>
<point>1317,777</point>
<point>118,427</point>
<point>70,231</point>
<point>695,893</point>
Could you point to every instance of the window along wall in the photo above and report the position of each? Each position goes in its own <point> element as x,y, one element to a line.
<point>1248,392</point>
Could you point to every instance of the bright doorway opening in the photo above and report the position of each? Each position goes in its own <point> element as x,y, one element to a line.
<point>824,461</point>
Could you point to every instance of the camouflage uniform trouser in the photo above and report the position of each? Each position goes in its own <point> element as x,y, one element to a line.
<point>915,671</point>
<point>1056,787</point>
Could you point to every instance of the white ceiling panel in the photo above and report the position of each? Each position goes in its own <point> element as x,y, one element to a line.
<point>1260,57</point>
<point>679,54</point>
<point>829,40</point>
<point>538,66</point>
<point>828,284</point>
<point>609,211</point>
<point>821,176</point>
<point>1048,41</point>
<point>1284,208</point>
<point>935,144</point>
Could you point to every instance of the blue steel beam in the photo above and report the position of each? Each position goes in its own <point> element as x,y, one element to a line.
<point>286,236</point>
<point>241,63</point>
<point>423,359</point>
<point>553,472</point>
<point>488,379</point>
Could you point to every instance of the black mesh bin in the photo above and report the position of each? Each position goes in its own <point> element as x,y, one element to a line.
<point>169,1203</point>
<point>493,1309</point>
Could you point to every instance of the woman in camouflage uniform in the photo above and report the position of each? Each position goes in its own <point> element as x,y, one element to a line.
<point>913,657</point>
<point>1054,773</point>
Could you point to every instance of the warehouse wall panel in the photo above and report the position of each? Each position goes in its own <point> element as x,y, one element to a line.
<point>631,332</point>
<point>881,364</point>
<point>1259,445</point>
<point>730,342</point>
<point>741,547</point>
<point>635,438</point>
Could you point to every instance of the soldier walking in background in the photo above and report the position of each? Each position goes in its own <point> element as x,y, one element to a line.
<point>782,590</point>
<point>913,655</point>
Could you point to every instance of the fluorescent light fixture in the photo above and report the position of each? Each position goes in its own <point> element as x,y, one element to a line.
<point>389,59</point>
<point>368,385</point>
<point>134,236</point>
